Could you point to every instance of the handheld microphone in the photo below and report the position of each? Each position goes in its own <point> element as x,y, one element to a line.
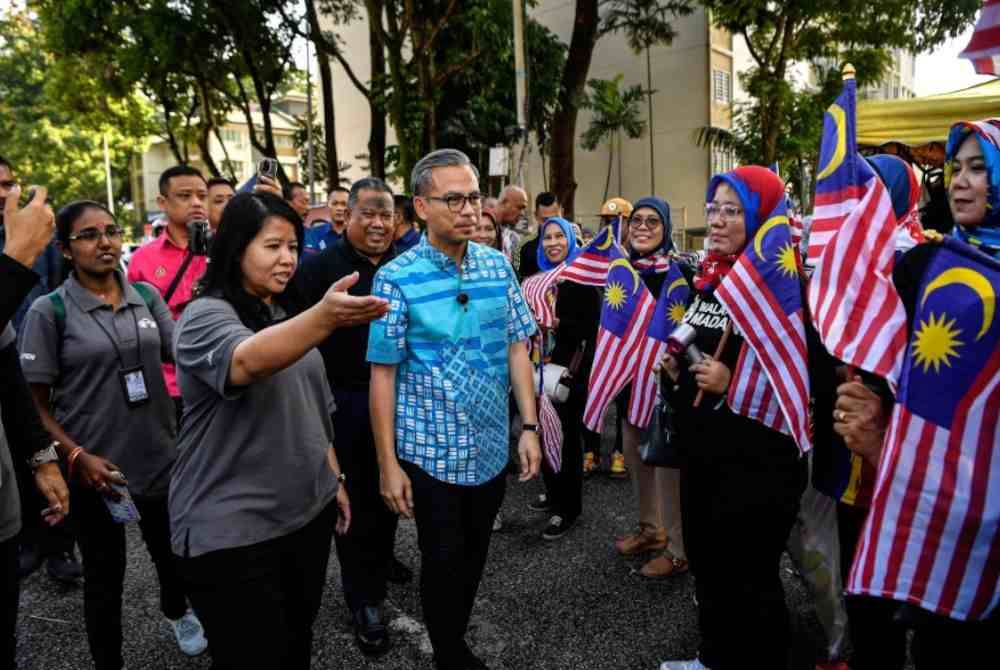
<point>463,298</point>
<point>682,341</point>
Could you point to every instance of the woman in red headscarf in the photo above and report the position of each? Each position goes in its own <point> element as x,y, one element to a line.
<point>741,480</point>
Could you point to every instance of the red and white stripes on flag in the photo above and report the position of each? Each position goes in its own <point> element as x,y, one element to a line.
<point>646,386</point>
<point>552,435</point>
<point>778,344</point>
<point>928,510</point>
<point>984,47</point>
<point>752,395</point>
<point>854,305</point>
<point>615,362</point>
<point>589,269</point>
<point>829,210</point>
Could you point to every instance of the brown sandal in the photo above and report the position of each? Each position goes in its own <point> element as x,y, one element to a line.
<point>664,565</point>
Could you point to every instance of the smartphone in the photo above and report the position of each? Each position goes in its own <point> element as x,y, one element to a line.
<point>267,167</point>
<point>122,510</point>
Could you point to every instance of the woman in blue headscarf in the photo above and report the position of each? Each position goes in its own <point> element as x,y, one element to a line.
<point>578,314</point>
<point>657,490</point>
<point>944,331</point>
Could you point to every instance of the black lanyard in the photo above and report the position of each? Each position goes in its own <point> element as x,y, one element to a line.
<point>111,338</point>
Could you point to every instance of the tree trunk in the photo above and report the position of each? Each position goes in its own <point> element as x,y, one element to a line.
<point>376,137</point>
<point>574,78</point>
<point>329,124</point>
<point>619,194</point>
<point>326,85</point>
<point>611,162</point>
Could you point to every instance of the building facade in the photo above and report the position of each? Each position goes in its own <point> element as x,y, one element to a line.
<point>238,157</point>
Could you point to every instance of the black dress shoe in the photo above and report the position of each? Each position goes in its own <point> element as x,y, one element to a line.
<point>370,632</point>
<point>64,568</point>
<point>398,573</point>
<point>29,559</point>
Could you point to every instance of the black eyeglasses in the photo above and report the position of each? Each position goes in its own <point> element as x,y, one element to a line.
<point>112,232</point>
<point>456,201</point>
<point>650,222</point>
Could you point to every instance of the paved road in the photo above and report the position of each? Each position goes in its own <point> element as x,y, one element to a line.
<point>550,605</point>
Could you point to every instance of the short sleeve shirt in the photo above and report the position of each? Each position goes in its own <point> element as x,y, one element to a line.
<point>82,360</point>
<point>157,263</point>
<point>253,460</point>
<point>452,378</point>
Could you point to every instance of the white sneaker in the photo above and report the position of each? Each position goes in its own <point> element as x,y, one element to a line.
<point>683,665</point>
<point>190,635</point>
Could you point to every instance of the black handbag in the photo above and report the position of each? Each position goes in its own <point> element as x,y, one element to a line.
<point>659,445</point>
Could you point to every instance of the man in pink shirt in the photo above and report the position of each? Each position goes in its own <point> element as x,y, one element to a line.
<point>166,262</point>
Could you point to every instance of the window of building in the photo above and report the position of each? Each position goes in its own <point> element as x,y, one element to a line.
<point>723,160</point>
<point>284,141</point>
<point>722,87</point>
<point>235,168</point>
<point>232,138</point>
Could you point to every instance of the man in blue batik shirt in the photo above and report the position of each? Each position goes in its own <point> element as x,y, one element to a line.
<point>443,358</point>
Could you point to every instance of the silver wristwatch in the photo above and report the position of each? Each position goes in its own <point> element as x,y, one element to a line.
<point>46,455</point>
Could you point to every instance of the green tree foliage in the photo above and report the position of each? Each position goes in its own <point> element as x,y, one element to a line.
<point>196,60</point>
<point>862,32</point>
<point>54,117</point>
<point>614,112</point>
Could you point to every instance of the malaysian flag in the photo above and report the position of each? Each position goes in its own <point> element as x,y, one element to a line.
<point>668,315</point>
<point>984,47</point>
<point>625,316</point>
<point>854,305</point>
<point>762,295</point>
<point>589,267</point>
<point>931,537</point>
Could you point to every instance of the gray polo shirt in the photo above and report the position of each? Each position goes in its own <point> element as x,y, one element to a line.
<point>10,501</point>
<point>82,364</point>
<point>253,460</point>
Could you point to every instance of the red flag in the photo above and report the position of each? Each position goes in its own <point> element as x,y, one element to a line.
<point>984,47</point>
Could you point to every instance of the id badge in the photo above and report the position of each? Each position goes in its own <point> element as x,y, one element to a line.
<point>134,386</point>
<point>122,510</point>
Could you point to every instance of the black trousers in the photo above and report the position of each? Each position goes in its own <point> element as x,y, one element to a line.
<point>258,603</point>
<point>102,545</point>
<point>49,540</point>
<point>738,504</point>
<point>10,592</point>
<point>564,489</point>
<point>454,525</point>
<point>367,548</point>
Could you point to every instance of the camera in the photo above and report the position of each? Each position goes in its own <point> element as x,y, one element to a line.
<point>199,237</point>
<point>681,340</point>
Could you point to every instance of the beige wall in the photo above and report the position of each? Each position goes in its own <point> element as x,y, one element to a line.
<point>681,104</point>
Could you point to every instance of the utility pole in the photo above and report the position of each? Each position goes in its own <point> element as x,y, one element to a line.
<point>309,126</point>
<point>649,101</point>
<point>107,175</point>
<point>521,89</point>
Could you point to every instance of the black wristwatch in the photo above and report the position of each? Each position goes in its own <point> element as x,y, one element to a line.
<point>530,427</point>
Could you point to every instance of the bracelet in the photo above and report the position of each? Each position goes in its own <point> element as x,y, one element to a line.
<point>71,459</point>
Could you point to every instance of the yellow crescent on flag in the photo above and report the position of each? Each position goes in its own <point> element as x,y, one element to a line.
<point>680,282</point>
<point>758,239</point>
<point>975,281</point>
<point>606,244</point>
<point>623,262</point>
<point>839,118</point>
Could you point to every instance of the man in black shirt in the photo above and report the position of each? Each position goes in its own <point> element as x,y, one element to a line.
<point>546,205</point>
<point>366,551</point>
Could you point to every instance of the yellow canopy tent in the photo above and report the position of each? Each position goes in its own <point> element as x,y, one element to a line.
<point>922,123</point>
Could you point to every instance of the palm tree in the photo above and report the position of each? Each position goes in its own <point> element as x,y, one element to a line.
<point>615,111</point>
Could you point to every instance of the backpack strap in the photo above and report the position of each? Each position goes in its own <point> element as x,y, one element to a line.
<point>59,311</point>
<point>146,293</point>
